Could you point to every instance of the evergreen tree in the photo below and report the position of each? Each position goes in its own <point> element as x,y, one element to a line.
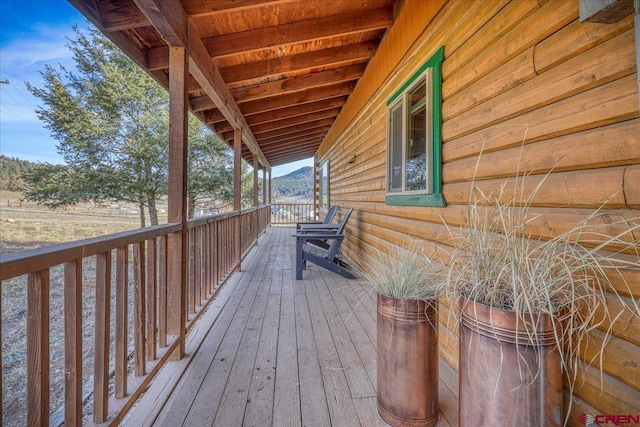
<point>111,122</point>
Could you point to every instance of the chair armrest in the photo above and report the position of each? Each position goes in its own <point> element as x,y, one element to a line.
<point>305,236</point>
<point>319,227</point>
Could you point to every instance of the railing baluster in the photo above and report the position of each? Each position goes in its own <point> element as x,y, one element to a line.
<point>38,348</point>
<point>152,262</point>
<point>73,342</point>
<point>216,253</point>
<point>102,338</point>
<point>197,268</point>
<point>191,294</point>
<point>162,289</point>
<point>122,286</point>
<point>139,304</point>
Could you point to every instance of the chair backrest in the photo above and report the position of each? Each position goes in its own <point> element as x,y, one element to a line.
<point>335,244</point>
<point>331,213</point>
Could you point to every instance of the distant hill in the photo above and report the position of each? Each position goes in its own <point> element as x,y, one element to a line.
<point>11,170</point>
<point>298,183</point>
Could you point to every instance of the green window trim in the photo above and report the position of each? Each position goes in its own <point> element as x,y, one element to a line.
<point>436,198</point>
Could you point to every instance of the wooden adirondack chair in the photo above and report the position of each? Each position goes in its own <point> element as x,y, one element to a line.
<point>331,213</point>
<point>327,258</point>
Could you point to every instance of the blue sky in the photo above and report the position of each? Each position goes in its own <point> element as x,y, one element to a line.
<point>34,33</point>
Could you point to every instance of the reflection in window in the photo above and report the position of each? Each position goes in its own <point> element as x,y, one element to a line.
<point>416,165</point>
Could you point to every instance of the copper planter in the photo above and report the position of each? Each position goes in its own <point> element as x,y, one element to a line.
<point>506,380</point>
<point>407,367</point>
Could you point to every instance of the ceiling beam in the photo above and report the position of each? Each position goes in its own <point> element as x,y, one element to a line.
<point>285,86</point>
<point>247,72</point>
<point>170,20</point>
<point>294,136</point>
<point>294,129</point>
<point>299,32</point>
<point>284,113</point>
<point>283,126</point>
<point>295,84</point>
<point>199,8</point>
<point>298,98</point>
<point>292,121</point>
<point>118,15</point>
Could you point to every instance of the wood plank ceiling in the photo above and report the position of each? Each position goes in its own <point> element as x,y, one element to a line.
<point>289,65</point>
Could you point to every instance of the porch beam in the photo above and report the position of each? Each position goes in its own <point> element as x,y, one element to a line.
<point>125,15</point>
<point>177,203</point>
<point>171,21</point>
<point>299,32</point>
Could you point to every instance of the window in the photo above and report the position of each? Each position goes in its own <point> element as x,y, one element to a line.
<point>324,185</point>
<point>414,164</point>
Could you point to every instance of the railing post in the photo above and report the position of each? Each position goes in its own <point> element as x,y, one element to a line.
<point>139,306</point>
<point>73,343</point>
<point>38,348</point>
<point>102,338</point>
<point>122,316</point>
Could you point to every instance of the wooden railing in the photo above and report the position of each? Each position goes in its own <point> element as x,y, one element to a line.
<point>291,213</point>
<point>135,265</point>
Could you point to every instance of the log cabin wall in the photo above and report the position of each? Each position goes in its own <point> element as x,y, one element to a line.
<point>526,87</point>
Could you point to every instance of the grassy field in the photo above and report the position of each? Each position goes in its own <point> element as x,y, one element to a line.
<point>27,226</point>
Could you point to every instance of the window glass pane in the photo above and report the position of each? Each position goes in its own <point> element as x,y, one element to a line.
<point>395,145</point>
<point>324,185</point>
<point>416,163</point>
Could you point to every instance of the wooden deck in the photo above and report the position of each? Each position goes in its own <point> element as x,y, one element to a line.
<point>273,351</point>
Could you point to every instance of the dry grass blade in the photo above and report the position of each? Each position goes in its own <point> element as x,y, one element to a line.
<point>569,277</point>
<point>404,271</point>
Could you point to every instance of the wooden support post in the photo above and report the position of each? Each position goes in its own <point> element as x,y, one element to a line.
<point>270,179</point>
<point>264,186</point>
<point>237,191</point>
<point>256,166</point>
<point>177,204</point>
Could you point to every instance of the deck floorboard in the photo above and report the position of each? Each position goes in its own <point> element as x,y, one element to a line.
<point>282,352</point>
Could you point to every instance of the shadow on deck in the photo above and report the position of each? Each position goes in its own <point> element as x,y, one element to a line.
<point>273,351</point>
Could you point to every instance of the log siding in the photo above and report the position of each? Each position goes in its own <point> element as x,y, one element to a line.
<point>528,89</point>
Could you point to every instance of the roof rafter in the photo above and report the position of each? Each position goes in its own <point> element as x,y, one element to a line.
<point>298,32</point>
<point>332,56</point>
<point>297,98</point>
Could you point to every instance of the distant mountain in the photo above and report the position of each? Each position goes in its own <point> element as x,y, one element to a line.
<point>298,183</point>
<point>11,170</point>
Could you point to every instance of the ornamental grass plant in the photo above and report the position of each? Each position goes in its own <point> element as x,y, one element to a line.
<point>404,271</point>
<point>571,276</point>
